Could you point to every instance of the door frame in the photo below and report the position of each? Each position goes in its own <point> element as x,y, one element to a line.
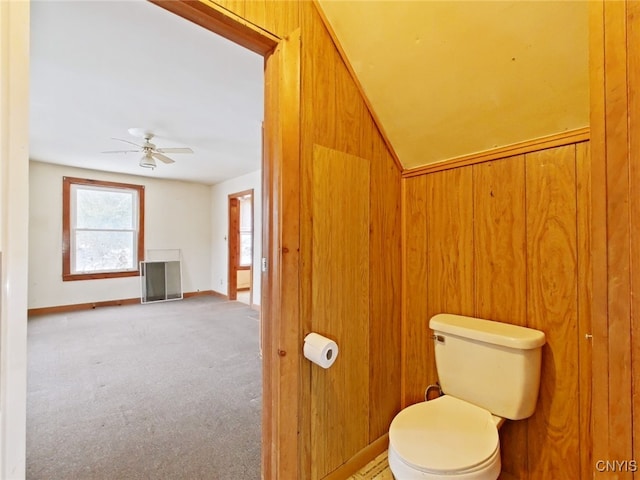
<point>233,242</point>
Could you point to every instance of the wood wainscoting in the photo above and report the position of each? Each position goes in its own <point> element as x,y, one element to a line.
<point>508,240</point>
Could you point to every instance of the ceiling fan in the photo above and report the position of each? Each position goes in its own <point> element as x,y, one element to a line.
<point>150,153</point>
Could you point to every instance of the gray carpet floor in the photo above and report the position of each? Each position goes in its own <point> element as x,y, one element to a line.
<point>157,391</point>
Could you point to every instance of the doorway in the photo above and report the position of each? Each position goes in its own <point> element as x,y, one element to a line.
<point>176,207</point>
<point>240,246</point>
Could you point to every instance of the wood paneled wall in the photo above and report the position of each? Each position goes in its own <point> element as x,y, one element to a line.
<point>615,123</point>
<point>340,306</point>
<point>337,125</point>
<point>506,240</point>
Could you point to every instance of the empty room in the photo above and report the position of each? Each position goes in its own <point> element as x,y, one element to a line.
<point>139,365</point>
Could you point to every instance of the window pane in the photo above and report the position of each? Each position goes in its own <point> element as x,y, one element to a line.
<point>245,214</point>
<point>100,251</point>
<point>106,209</point>
<point>245,248</point>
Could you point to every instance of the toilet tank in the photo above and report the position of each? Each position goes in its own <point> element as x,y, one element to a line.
<point>490,364</point>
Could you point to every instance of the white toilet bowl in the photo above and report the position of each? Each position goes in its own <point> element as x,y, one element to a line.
<point>445,438</point>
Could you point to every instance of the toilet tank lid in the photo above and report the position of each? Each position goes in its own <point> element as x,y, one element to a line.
<point>488,331</point>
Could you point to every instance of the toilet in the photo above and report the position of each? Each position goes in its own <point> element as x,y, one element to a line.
<point>488,372</point>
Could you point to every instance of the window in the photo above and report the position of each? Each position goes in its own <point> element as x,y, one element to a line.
<point>103,229</point>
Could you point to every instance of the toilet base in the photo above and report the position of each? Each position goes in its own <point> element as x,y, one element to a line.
<point>490,470</point>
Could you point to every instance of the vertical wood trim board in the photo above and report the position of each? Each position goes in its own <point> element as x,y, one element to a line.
<point>618,231</point>
<point>340,306</point>
<point>585,276</point>
<point>598,232</point>
<point>267,290</point>
<point>501,269</point>
<point>500,238</point>
<point>417,345</point>
<point>633,84</point>
<point>552,294</point>
<point>280,293</point>
<point>308,131</point>
<point>385,330</point>
<point>289,335</point>
<point>450,262</point>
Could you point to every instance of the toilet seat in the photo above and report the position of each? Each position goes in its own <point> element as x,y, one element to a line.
<point>445,436</point>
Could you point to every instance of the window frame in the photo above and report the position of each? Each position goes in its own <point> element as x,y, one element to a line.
<point>67,183</point>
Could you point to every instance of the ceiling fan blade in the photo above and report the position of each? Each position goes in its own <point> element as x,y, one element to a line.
<point>120,151</point>
<point>174,150</point>
<point>162,158</point>
<point>126,141</point>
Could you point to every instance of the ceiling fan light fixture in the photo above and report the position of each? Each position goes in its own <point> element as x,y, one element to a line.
<point>150,153</point>
<point>147,161</point>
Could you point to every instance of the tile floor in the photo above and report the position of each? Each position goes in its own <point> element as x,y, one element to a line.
<point>377,469</point>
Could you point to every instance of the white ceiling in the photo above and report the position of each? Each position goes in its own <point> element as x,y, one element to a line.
<point>101,67</point>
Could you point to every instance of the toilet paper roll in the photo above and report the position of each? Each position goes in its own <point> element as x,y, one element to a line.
<point>320,350</point>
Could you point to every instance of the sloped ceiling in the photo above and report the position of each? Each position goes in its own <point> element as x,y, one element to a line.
<point>451,78</point>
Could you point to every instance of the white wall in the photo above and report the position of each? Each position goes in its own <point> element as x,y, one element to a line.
<point>220,230</point>
<point>177,216</point>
